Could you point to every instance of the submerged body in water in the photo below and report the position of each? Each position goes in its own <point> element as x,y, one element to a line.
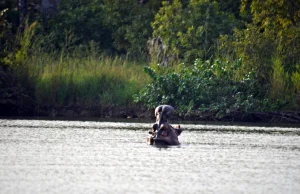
<point>168,136</point>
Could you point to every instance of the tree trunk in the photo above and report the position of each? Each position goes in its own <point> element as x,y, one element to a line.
<point>22,8</point>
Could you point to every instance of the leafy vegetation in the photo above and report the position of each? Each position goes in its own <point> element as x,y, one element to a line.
<point>203,87</point>
<point>213,56</point>
<point>190,32</point>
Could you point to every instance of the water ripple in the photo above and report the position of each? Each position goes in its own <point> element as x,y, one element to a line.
<point>107,157</point>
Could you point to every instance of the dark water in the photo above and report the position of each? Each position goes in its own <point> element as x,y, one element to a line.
<point>108,157</point>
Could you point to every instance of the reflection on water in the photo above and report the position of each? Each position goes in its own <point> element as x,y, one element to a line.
<point>106,157</point>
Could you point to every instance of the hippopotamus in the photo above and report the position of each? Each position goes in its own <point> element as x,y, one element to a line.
<point>162,132</point>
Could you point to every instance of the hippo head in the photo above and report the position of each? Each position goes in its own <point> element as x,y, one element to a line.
<point>167,135</point>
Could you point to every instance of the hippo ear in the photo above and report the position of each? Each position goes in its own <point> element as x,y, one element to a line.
<point>178,131</point>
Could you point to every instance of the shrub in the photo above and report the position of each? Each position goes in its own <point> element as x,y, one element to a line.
<point>203,86</point>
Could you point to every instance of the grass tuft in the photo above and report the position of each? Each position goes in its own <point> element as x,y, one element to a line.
<point>85,80</point>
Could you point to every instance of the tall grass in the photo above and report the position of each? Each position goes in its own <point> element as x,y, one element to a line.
<point>279,82</point>
<point>296,88</point>
<point>89,80</point>
<point>282,88</point>
<point>76,75</point>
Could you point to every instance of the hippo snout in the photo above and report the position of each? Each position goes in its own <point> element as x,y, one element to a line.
<point>167,135</point>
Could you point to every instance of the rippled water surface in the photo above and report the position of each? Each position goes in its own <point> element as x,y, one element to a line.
<point>109,157</point>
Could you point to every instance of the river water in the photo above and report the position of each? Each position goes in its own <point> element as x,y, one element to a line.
<point>39,156</point>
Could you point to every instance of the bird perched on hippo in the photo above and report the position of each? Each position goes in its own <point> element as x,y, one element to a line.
<point>162,132</point>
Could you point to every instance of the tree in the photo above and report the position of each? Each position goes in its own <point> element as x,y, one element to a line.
<point>118,27</point>
<point>191,32</point>
<point>275,23</point>
<point>129,23</point>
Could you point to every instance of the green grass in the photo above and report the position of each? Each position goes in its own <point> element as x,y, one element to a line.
<point>88,80</point>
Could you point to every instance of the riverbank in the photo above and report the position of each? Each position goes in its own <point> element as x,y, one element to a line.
<point>15,100</point>
<point>141,112</point>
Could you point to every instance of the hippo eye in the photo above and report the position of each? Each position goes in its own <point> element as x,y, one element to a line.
<point>155,126</point>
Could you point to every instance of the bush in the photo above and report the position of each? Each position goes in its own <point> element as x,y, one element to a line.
<point>204,87</point>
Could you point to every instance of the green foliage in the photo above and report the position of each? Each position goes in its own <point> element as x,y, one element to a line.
<point>167,24</point>
<point>230,6</point>
<point>8,22</point>
<point>296,81</point>
<point>16,54</point>
<point>280,91</point>
<point>257,50</point>
<point>121,27</point>
<point>203,87</point>
<point>129,23</point>
<point>23,43</point>
<point>273,31</point>
<point>84,78</point>
<point>77,23</point>
<point>190,32</point>
<point>296,89</point>
<point>62,57</point>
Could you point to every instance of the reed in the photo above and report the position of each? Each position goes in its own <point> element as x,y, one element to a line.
<point>86,80</point>
<point>281,91</point>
